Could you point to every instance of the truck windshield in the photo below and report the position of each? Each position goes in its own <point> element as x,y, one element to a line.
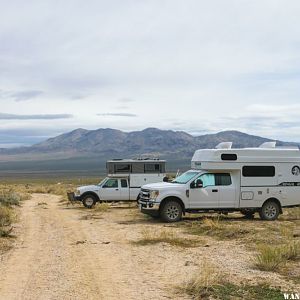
<point>102,181</point>
<point>185,177</point>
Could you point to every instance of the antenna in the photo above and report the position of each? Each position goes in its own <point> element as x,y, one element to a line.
<point>268,145</point>
<point>224,145</point>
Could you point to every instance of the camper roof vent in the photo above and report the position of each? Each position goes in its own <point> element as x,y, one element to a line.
<point>224,145</point>
<point>268,145</point>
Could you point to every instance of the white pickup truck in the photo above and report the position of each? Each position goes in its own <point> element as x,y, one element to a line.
<point>263,180</point>
<point>123,183</point>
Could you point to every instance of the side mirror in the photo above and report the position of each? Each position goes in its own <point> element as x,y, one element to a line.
<point>199,183</point>
<point>196,184</point>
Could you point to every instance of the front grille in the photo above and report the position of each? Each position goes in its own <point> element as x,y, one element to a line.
<point>145,194</point>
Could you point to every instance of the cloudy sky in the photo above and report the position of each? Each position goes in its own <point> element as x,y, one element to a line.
<point>198,66</point>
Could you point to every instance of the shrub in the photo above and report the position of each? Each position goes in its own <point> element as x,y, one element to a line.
<point>291,251</point>
<point>270,258</point>
<point>204,282</point>
<point>6,216</point>
<point>10,198</point>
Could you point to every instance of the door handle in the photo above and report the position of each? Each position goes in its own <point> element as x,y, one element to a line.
<point>214,191</point>
<point>117,189</point>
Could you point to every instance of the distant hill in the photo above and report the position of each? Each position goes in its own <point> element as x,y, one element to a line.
<point>71,150</point>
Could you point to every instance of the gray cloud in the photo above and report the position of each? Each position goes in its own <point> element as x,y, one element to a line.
<point>26,95</point>
<point>117,115</point>
<point>4,116</point>
<point>21,95</point>
<point>218,69</point>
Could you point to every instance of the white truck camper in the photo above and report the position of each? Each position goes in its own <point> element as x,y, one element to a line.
<point>264,180</point>
<point>123,182</point>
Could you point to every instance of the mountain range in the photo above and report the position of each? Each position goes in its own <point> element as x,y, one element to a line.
<point>96,146</point>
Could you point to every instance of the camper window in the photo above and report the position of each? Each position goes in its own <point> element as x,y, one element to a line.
<point>122,168</point>
<point>151,168</point>
<point>258,171</point>
<point>228,156</point>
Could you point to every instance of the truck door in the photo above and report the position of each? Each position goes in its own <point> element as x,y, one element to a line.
<point>110,190</point>
<point>226,190</point>
<point>124,189</point>
<point>203,192</point>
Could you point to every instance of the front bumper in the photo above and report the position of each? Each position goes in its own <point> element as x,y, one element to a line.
<point>72,197</point>
<point>149,207</point>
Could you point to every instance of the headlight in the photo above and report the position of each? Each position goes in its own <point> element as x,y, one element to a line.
<point>154,194</point>
<point>77,192</point>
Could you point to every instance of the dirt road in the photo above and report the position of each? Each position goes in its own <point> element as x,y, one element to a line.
<point>62,253</point>
<point>68,252</point>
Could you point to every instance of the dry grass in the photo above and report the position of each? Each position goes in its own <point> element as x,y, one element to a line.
<point>291,214</point>
<point>101,207</point>
<point>218,228</point>
<point>205,279</point>
<point>7,217</point>
<point>154,236</point>
<point>211,283</point>
<point>271,258</point>
<point>8,199</point>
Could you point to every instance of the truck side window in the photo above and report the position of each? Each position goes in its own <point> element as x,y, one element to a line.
<point>223,179</point>
<point>111,183</point>
<point>124,183</point>
<point>207,179</point>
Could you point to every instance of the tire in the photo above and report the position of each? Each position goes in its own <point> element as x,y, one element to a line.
<point>249,214</point>
<point>171,211</point>
<point>269,211</point>
<point>89,201</point>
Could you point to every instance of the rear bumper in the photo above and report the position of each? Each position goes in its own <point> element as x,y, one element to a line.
<point>149,208</point>
<point>72,197</point>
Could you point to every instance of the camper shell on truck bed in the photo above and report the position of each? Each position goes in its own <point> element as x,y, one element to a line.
<point>123,182</point>
<point>139,171</point>
<point>249,180</point>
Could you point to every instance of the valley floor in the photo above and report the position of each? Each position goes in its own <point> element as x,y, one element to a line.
<point>68,252</point>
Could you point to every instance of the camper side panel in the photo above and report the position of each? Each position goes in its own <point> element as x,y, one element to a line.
<point>289,182</point>
<point>284,185</point>
<point>138,180</point>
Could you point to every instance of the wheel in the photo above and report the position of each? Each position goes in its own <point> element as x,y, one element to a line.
<point>269,211</point>
<point>89,201</point>
<point>171,211</point>
<point>249,214</point>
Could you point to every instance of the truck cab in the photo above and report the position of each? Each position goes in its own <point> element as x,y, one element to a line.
<point>193,191</point>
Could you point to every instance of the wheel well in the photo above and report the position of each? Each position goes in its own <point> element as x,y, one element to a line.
<point>276,201</point>
<point>90,194</point>
<point>173,198</point>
